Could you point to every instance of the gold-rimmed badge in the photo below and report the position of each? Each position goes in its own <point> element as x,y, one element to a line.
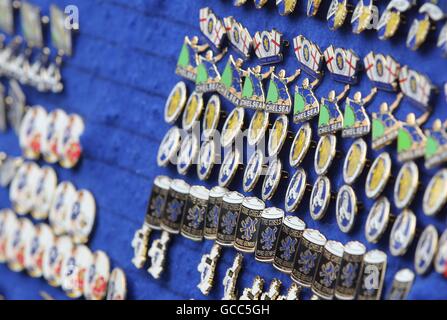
<point>402,284</point>
<point>193,110</point>
<point>312,7</point>
<point>440,262</point>
<point>337,13</point>
<point>212,27</point>
<point>188,153</point>
<point>377,221</point>
<point>258,125</point>
<point>175,102</point>
<point>285,7</point>
<point>391,18</point>
<point>355,161</point>
<point>364,15</point>
<point>426,250</point>
<point>278,97</point>
<point>406,185</point>
<point>278,135</point>
<point>300,145</point>
<point>378,175</point>
<point>356,121</point>
<point>211,116</point>
<point>385,126</point>
<point>435,195</point>
<point>325,153</point>
<point>402,233</point>
<point>232,126</point>
<point>330,119</point>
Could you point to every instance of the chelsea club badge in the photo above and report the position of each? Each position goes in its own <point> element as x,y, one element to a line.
<point>232,126</point>
<point>320,198</point>
<point>168,147</point>
<point>187,154</point>
<point>435,195</point>
<point>325,153</point>
<point>211,116</point>
<point>300,145</point>
<point>377,221</point>
<point>337,13</point>
<point>426,250</point>
<point>402,233</point>
<point>229,167</point>
<point>295,190</point>
<point>346,208</point>
<point>193,110</point>
<point>278,135</point>
<point>440,262</point>
<point>258,126</point>
<point>355,161</point>
<point>378,175</point>
<point>175,102</point>
<point>272,179</point>
<point>207,159</point>
<point>406,185</point>
<point>253,171</point>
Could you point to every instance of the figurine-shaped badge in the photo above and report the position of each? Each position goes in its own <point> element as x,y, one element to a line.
<point>278,97</point>
<point>429,13</point>
<point>186,63</point>
<point>410,138</point>
<point>356,122</point>
<point>207,269</point>
<point>330,119</point>
<point>208,77</point>
<point>253,90</point>
<point>157,254</point>
<point>436,146</point>
<point>253,293</point>
<point>274,289</point>
<point>230,279</point>
<point>293,293</point>
<point>140,246</point>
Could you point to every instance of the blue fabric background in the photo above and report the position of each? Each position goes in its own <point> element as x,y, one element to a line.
<point>118,80</point>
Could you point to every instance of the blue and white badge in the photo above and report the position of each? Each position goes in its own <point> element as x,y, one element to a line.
<point>187,154</point>
<point>295,190</point>
<point>346,208</point>
<point>320,198</point>
<point>337,13</point>
<point>377,221</point>
<point>426,250</point>
<point>271,180</point>
<point>168,147</point>
<point>207,158</point>
<point>229,167</point>
<point>212,27</point>
<point>402,233</point>
<point>343,64</point>
<point>253,171</point>
<point>238,36</point>
<point>441,256</point>
<point>268,46</point>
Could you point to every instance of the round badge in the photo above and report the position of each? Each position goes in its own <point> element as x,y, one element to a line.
<point>207,158</point>
<point>43,192</point>
<point>187,154</point>
<point>258,125</point>
<point>74,271</point>
<point>228,168</point>
<point>271,180</point>
<point>54,258</point>
<point>64,197</point>
<point>378,175</point>
<point>320,198</point>
<point>325,153</point>
<point>300,145</point>
<point>435,195</point>
<point>377,220</point>
<point>31,132</point>
<point>346,208</point>
<point>440,262</point>
<point>168,147</point>
<point>192,111</point>
<point>175,102</point>
<point>232,126</point>
<point>9,167</point>
<point>211,116</point>
<point>12,238</point>
<point>355,161</point>
<point>253,170</point>
<point>81,217</point>
<point>21,191</point>
<point>278,135</point>
<point>426,250</point>
<point>56,122</point>
<point>117,289</point>
<point>69,147</point>
<point>8,222</point>
<point>42,239</point>
<point>406,185</point>
<point>402,233</point>
<point>21,239</point>
<point>295,190</point>
<point>97,277</point>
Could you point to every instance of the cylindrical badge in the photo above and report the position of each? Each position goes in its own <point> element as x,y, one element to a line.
<point>351,265</point>
<point>157,202</point>
<point>193,221</point>
<point>228,218</point>
<point>175,205</point>
<point>248,224</point>
<point>402,284</point>
<point>289,237</point>
<point>328,269</point>
<point>268,232</point>
<point>372,275</point>
<point>307,257</point>
<point>213,211</point>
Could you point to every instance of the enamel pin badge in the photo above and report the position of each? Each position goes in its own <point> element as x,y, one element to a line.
<point>3,121</point>
<point>378,175</point>
<point>300,145</point>
<point>208,77</point>
<point>382,70</point>
<point>330,119</point>
<point>278,135</point>
<point>273,291</point>
<point>17,105</point>
<point>211,116</point>
<point>239,3</point>
<point>310,58</point>
<point>117,287</point>
<point>364,16</point>
<point>406,185</point>
<point>325,153</point>
<point>206,159</point>
<point>230,279</point>
<point>355,161</point>
<point>435,195</point>
<point>187,154</point>
<point>82,216</point>
<point>232,126</point>
<point>278,97</point>
<point>260,3</point>
<point>42,238</point>
<point>253,293</point>
<point>75,271</point>
<point>31,132</point>
<point>440,262</point>
<point>253,171</point>
<point>253,95</point>
<point>272,179</point>
<point>97,277</point>
<point>426,250</point>
<point>442,40</point>
<point>346,208</point>
<point>20,245</point>
<point>187,60</point>
<point>64,197</point>
<point>257,128</point>
<point>402,284</point>
<point>168,147</point>
<point>230,86</point>
<point>157,255</point>
<point>320,198</point>
<point>140,245</point>
<point>238,36</point>
<point>8,168</point>
<point>402,233</point>
<point>436,145</point>
<point>391,18</point>
<point>212,27</point>
<point>356,121</point>
<point>56,122</point>
<point>268,46</point>
<point>293,293</point>
<point>8,222</point>
<point>416,86</point>
<point>175,102</point>
<point>337,13</point>
<point>429,14</point>
<point>69,147</point>
<point>285,7</point>
<point>43,193</point>
<point>21,191</point>
<point>32,25</point>
<point>207,268</point>
<point>411,139</point>
<point>312,7</point>
<point>54,258</point>
<point>7,16</point>
<point>295,190</point>
<point>229,167</point>
<point>377,221</point>
<point>193,111</point>
<point>343,64</point>
<point>61,36</point>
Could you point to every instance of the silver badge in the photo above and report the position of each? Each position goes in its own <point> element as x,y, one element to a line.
<point>355,161</point>
<point>229,167</point>
<point>402,233</point>
<point>346,208</point>
<point>295,190</point>
<point>320,198</point>
<point>168,147</point>
<point>440,262</point>
<point>377,221</point>
<point>426,250</point>
<point>325,153</point>
<point>253,171</point>
<point>207,159</point>
<point>272,179</point>
<point>378,175</point>
<point>406,185</point>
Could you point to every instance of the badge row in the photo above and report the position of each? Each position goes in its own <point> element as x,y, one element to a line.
<point>63,263</point>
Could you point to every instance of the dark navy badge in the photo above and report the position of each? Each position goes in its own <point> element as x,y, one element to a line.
<point>229,167</point>
<point>377,221</point>
<point>320,198</point>
<point>346,208</point>
<point>295,190</point>
<point>272,179</point>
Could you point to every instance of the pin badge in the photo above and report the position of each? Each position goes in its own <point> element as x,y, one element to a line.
<point>442,40</point>
<point>208,77</point>
<point>239,3</point>
<point>260,3</point>
<point>248,224</point>
<point>64,197</point>
<point>337,13</point>
<point>155,208</point>
<point>426,250</point>
<point>377,221</point>
<point>435,195</point>
<point>193,110</point>
<point>300,145</point>
<point>168,146</point>
<point>16,108</point>
<point>295,190</point>
<point>347,208</point>
<point>69,147</point>
<point>7,17</point>
<point>278,135</point>
<point>212,27</point>
<point>382,70</point>
<point>269,228</point>
<point>74,271</point>
<point>193,221</point>
<point>213,212</point>
<point>56,122</point>
<point>230,279</point>
<point>286,7</point>
<point>278,97</point>
<point>228,218</point>
<point>312,7</point>
<point>117,288</point>
<point>378,175</point>
<point>140,246</point>
<point>343,64</point>
<point>175,102</point>
<point>187,60</point>
<point>402,284</point>
<point>391,18</point>
<point>258,126</point>
<point>43,194</point>
<point>230,85</point>
<point>31,130</point>
<point>268,46</point>
<point>253,171</point>
<point>61,36</point>
<point>320,198</point>
<point>207,158</point>
<point>406,185</point>
<point>325,153</point>
<point>435,147</point>
<point>272,179</point>
<point>402,233</point>
<point>54,257</point>
<point>21,191</point>
<point>229,167</point>
<point>187,154</point>
<point>356,121</point>
<point>351,264</point>
<point>3,123</point>
<point>175,206</point>
<point>411,140</point>
<point>372,275</point>
<point>97,277</point>
<point>211,116</point>
<point>7,219</point>
<point>31,23</point>
<point>293,293</point>
<point>157,255</point>
<point>20,244</point>
<point>207,268</point>
<point>274,290</point>
<point>416,86</point>
<point>8,168</point>
<point>440,262</point>
<point>232,126</point>
<point>82,216</point>
<point>330,119</point>
<point>429,14</point>
<point>365,15</point>
<point>238,36</point>
<point>253,293</point>
<point>253,94</point>
<point>11,238</point>
<point>355,161</point>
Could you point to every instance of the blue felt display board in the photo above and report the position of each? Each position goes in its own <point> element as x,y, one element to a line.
<point>118,80</point>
